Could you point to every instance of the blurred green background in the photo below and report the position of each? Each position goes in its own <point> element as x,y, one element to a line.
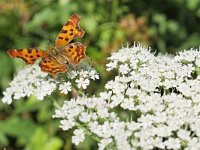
<point>167,26</point>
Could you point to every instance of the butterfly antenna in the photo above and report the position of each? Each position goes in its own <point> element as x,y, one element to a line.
<point>49,40</point>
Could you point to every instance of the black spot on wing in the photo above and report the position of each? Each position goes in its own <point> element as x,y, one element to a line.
<point>44,60</point>
<point>67,23</point>
<point>71,46</point>
<point>63,31</point>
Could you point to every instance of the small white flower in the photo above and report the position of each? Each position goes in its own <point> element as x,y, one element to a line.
<point>83,73</point>
<point>197,61</point>
<point>81,82</point>
<point>44,88</point>
<point>79,136</point>
<point>85,117</point>
<point>185,89</point>
<point>183,134</point>
<point>102,111</point>
<point>173,143</point>
<point>94,126</point>
<point>105,95</point>
<point>91,102</point>
<point>65,87</point>
<point>188,56</point>
<point>116,100</point>
<point>124,69</point>
<point>193,144</point>
<point>104,143</point>
<point>128,103</point>
<point>94,116</point>
<point>111,65</point>
<point>93,75</point>
<point>7,96</point>
<point>72,74</point>
<point>67,124</point>
<point>59,113</point>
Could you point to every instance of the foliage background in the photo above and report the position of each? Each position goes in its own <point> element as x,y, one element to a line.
<point>167,26</point>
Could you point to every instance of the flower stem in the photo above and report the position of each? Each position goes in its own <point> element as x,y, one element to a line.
<point>87,131</point>
<point>56,104</point>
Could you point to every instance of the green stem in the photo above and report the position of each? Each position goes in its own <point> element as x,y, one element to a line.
<point>87,131</point>
<point>56,104</point>
<point>76,88</point>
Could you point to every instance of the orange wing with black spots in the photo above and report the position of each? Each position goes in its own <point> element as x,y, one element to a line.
<point>69,31</point>
<point>28,55</point>
<point>52,66</point>
<point>57,58</point>
<point>75,52</point>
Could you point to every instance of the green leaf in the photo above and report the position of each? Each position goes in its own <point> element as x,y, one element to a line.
<point>44,16</point>
<point>4,74</point>
<point>192,4</point>
<point>90,24</point>
<point>160,19</point>
<point>17,127</point>
<point>94,53</point>
<point>41,140</point>
<point>3,139</point>
<point>45,113</point>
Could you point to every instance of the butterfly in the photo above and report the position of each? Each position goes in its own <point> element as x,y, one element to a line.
<point>56,59</point>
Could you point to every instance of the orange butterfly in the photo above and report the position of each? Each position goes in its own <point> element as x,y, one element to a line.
<point>55,59</point>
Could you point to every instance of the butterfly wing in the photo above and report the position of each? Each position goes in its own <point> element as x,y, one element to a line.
<point>28,55</point>
<point>69,31</point>
<point>52,66</point>
<point>75,52</point>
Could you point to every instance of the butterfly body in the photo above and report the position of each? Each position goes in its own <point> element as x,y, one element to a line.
<point>55,59</point>
<point>56,53</point>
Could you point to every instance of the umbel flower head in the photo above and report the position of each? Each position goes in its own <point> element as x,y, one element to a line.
<point>152,103</point>
<point>32,81</point>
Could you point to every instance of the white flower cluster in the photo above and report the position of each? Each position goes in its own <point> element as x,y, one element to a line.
<point>153,103</point>
<point>32,81</point>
